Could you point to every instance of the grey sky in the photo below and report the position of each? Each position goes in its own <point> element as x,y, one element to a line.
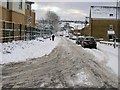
<point>67,10</point>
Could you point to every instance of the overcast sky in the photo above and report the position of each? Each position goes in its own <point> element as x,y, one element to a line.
<point>67,10</point>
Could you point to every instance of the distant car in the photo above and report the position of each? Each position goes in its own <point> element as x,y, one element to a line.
<point>67,36</point>
<point>89,42</point>
<point>61,34</point>
<point>79,40</point>
<point>46,36</point>
<point>74,37</point>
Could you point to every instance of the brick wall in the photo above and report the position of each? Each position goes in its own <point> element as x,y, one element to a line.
<point>99,28</point>
<point>86,31</point>
<point>0,23</point>
<point>32,15</point>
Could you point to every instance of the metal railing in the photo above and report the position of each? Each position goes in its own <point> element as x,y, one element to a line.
<point>10,31</point>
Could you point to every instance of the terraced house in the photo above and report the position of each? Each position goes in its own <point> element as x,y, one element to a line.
<point>104,22</point>
<point>17,20</point>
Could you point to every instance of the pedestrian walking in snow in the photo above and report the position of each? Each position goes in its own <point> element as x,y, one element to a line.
<point>114,40</point>
<point>53,37</point>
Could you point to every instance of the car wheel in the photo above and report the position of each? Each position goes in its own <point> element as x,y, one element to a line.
<point>95,47</point>
<point>83,46</point>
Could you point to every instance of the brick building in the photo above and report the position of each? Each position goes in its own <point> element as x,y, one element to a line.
<point>16,20</point>
<point>104,22</point>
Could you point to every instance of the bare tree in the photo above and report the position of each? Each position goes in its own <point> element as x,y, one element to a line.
<point>53,20</point>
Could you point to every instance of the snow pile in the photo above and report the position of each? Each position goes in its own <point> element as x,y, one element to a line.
<point>83,78</point>
<point>99,56</point>
<point>106,54</point>
<point>24,50</point>
<point>111,54</point>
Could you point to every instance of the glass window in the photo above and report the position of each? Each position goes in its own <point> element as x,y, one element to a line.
<point>7,4</point>
<point>111,15</point>
<point>20,4</point>
<point>19,27</point>
<point>28,7</point>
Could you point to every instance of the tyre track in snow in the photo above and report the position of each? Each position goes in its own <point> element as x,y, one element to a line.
<point>67,65</point>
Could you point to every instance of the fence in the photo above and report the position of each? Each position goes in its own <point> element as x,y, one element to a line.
<point>110,43</point>
<point>10,31</point>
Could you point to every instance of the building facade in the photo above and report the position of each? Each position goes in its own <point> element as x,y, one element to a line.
<point>17,20</point>
<point>104,22</point>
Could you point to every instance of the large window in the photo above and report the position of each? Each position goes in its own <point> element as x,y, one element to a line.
<point>20,30</point>
<point>111,15</point>
<point>8,31</point>
<point>28,7</point>
<point>8,4</point>
<point>20,4</point>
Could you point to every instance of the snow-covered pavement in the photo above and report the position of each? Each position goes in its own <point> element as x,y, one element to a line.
<point>111,54</point>
<point>24,50</point>
<point>107,55</point>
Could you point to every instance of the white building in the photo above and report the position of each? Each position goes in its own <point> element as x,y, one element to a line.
<point>14,5</point>
<point>103,12</point>
<point>103,21</point>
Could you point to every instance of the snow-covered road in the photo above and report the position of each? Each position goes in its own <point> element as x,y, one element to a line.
<point>68,65</point>
<point>105,54</point>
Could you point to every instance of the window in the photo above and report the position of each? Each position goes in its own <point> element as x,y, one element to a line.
<point>19,27</point>
<point>20,30</point>
<point>111,15</point>
<point>28,19</point>
<point>28,7</point>
<point>8,4</point>
<point>20,5</point>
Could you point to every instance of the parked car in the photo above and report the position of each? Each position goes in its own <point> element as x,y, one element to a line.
<point>74,37</point>
<point>89,42</point>
<point>79,39</point>
<point>46,36</point>
<point>61,34</point>
<point>66,35</point>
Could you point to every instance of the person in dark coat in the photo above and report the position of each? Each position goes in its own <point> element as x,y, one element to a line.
<point>53,37</point>
<point>114,40</point>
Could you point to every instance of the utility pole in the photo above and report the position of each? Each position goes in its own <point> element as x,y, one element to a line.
<point>117,18</point>
<point>90,22</point>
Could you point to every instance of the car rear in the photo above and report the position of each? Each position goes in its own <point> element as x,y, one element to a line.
<point>79,40</point>
<point>89,42</point>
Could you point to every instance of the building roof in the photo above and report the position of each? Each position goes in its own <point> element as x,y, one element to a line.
<point>105,6</point>
<point>29,2</point>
